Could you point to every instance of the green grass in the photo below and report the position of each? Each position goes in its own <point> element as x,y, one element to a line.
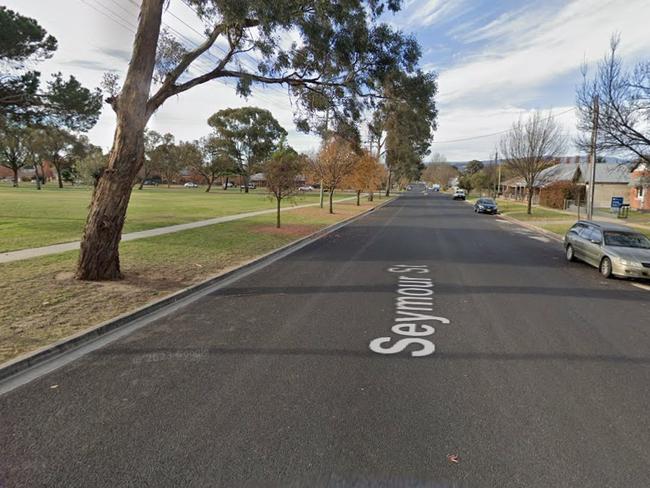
<point>42,303</point>
<point>32,218</point>
<point>559,229</point>
<point>517,211</point>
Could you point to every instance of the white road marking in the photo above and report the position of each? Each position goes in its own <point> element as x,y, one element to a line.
<point>643,287</point>
<point>414,296</point>
<point>504,221</point>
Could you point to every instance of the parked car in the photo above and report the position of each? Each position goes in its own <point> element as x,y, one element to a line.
<point>459,194</point>
<point>486,205</point>
<point>251,186</point>
<point>190,184</point>
<point>306,188</point>
<point>616,250</point>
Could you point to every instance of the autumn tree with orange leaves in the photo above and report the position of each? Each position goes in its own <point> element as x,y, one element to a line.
<point>366,175</point>
<point>335,162</point>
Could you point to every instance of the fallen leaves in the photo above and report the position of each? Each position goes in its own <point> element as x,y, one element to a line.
<point>453,458</point>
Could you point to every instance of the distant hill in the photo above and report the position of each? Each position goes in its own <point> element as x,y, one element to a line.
<point>564,159</point>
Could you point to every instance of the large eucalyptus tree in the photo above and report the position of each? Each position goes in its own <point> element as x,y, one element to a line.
<point>340,48</point>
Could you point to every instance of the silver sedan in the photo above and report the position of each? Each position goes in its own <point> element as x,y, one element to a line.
<point>616,250</point>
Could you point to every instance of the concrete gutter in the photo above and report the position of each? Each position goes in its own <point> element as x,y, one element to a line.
<point>32,365</point>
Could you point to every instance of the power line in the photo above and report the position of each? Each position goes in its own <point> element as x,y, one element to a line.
<point>130,29</point>
<point>499,132</point>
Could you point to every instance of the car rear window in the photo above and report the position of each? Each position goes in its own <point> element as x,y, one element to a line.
<point>627,239</point>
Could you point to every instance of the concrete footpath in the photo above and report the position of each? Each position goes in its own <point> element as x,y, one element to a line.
<point>8,257</point>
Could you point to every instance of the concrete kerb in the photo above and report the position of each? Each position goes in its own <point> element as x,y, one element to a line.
<point>535,228</point>
<point>46,359</point>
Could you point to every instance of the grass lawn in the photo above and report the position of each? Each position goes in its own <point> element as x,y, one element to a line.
<point>32,218</point>
<point>42,303</point>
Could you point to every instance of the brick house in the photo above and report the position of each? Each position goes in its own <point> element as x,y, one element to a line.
<point>640,187</point>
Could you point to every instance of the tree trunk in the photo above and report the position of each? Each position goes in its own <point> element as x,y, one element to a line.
<point>529,208</point>
<point>99,254</point>
<point>141,185</point>
<point>245,183</point>
<point>388,183</point>
<point>15,170</point>
<point>331,200</point>
<point>38,178</point>
<point>58,175</point>
<point>225,186</point>
<point>371,198</point>
<point>322,194</point>
<point>210,183</point>
<point>277,224</point>
<point>358,197</point>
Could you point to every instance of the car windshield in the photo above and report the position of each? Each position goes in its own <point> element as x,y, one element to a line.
<point>487,201</point>
<point>627,239</point>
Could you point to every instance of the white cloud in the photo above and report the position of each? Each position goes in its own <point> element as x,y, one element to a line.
<point>429,12</point>
<point>457,124</point>
<point>524,52</point>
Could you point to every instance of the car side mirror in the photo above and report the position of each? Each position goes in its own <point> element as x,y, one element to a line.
<point>596,241</point>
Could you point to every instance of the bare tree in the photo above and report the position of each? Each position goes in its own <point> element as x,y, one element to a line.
<point>624,106</point>
<point>530,147</point>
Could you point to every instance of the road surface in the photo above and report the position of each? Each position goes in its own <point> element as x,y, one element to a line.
<point>540,378</point>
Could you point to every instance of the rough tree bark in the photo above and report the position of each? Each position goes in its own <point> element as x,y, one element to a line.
<point>331,200</point>
<point>277,223</point>
<point>99,255</point>
<point>529,202</point>
<point>15,184</point>
<point>388,182</point>
<point>358,197</point>
<point>57,167</point>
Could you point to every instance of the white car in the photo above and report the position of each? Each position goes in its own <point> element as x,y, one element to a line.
<point>190,184</point>
<point>459,194</point>
<point>306,188</point>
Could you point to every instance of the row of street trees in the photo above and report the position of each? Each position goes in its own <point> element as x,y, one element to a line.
<point>345,63</point>
<point>345,59</point>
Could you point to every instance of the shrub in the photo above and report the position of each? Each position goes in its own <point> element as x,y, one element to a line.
<point>555,194</point>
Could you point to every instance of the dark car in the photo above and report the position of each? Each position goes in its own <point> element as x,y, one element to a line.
<point>486,205</point>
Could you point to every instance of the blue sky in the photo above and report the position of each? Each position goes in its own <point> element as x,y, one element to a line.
<point>496,60</point>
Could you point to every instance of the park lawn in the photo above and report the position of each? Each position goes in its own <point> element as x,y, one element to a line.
<point>32,218</point>
<point>42,303</point>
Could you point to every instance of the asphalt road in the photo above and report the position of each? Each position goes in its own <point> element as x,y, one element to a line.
<point>541,378</point>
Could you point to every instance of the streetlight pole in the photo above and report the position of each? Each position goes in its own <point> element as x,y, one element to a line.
<point>592,161</point>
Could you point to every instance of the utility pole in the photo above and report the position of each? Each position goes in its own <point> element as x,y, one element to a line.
<point>592,161</point>
<point>496,161</point>
<point>326,136</point>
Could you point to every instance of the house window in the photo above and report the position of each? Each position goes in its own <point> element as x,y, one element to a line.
<point>640,191</point>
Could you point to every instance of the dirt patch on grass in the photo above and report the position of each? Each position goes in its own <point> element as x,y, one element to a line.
<point>296,230</point>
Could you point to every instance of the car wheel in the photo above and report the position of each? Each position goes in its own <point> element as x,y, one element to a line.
<point>570,256</point>
<point>606,268</point>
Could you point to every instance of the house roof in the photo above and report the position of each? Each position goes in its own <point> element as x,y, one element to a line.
<point>606,173</point>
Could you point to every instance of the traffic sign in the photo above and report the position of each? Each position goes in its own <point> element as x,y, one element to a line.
<point>617,202</point>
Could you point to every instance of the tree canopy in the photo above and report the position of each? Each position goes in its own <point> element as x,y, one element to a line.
<point>24,42</point>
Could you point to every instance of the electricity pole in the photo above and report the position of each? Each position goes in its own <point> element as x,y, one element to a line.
<point>496,161</point>
<point>327,128</point>
<point>592,161</point>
